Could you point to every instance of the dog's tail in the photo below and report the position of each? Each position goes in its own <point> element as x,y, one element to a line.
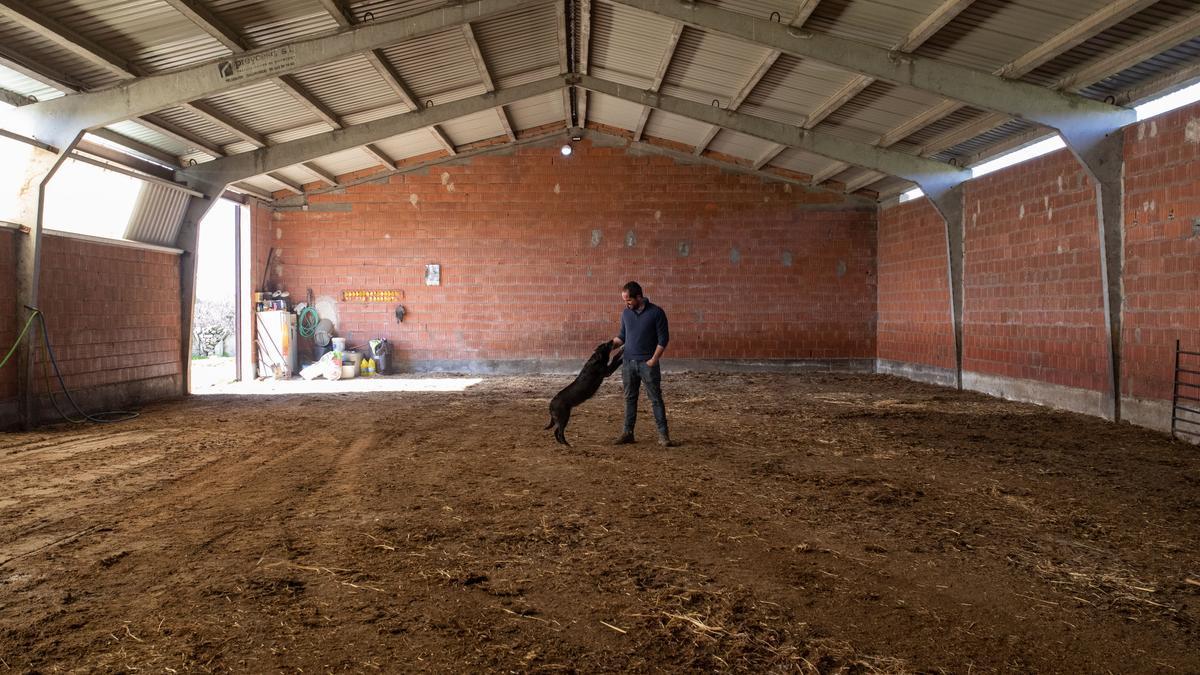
<point>550,424</point>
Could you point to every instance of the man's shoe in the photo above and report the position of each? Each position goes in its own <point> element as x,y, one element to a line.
<point>665,441</point>
<point>624,439</point>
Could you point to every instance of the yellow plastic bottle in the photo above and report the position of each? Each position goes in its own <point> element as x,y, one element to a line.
<point>370,366</point>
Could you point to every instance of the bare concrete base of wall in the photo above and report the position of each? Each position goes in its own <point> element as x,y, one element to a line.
<point>1157,415</point>
<point>916,371</point>
<point>1029,391</point>
<point>1150,414</point>
<point>120,396</point>
<point>572,366</point>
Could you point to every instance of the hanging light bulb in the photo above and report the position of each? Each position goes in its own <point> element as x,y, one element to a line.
<point>566,150</point>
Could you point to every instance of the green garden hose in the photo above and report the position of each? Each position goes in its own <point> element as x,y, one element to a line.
<point>308,329</point>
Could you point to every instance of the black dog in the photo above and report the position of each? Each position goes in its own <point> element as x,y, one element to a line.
<point>584,387</point>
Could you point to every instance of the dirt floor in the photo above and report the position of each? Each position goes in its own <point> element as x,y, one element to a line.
<point>807,523</point>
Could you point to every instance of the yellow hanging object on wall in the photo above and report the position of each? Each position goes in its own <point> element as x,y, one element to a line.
<point>372,296</point>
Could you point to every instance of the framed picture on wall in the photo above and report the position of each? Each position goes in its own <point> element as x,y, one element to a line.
<point>433,274</point>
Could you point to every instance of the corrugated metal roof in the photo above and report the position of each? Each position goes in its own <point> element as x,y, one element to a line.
<point>520,42</point>
<point>296,174</point>
<point>960,117</point>
<point>346,161</point>
<point>1186,54</point>
<point>1138,27</point>
<point>265,22</point>
<point>675,128</point>
<point>292,133</point>
<point>740,145</point>
<point>433,65</point>
<point>264,108</point>
<point>793,88</point>
<point>991,33</point>
<point>419,142</point>
<point>801,161</point>
<point>882,107</point>
<point>16,82</point>
<point>534,112</point>
<point>707,66</point>
<point>473,128</point>
<point>348,86</point>
<point>376,113</point>
<point>983,141</point>
<point>150,34</point>
<point>150,137</point>
<point>761,9</point>
<point>157,214</point>
<point>189,121</point>
<point>884,23</point>
<point>43,51</point>
<point>627,45</point>
<point>390,9</point>
<point>614,112</point>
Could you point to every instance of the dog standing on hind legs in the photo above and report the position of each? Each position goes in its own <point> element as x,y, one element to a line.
<point>584,387</point>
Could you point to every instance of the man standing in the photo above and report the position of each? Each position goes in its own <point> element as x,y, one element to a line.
<point>644,334</point>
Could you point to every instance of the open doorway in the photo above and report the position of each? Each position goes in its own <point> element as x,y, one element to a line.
<point>217,314</point>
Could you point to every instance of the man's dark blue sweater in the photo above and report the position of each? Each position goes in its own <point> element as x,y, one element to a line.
<point>643,330</point>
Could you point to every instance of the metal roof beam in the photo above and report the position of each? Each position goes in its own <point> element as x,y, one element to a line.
<point>803,11</point>
<point>220,119</point>
<point>204,17</point>
<point>828,172</point>
<point>864,180</point>
<point>931,25</point>
<point>52,120</point>
<point>136,146</point>
<point>378,155</point>
<point>742,95</point>
<point>321,174</point>
<point>14,99</point>
<point>1068,113</point>
<point>663,65</point>
<point>583,46</point>
<point>38,72</point>
<point>45,26</point>
<point>1089,27</point>
<point>488,83</point>
<point>339,12</point>
<point>443,139</point>
<point>768,157</point>
<point>182,135</point>
<point>924,172</point>
<point>1132,55</point>
<point>288,184</point>
<point>247,164</point>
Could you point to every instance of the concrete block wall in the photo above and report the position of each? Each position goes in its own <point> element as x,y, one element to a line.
<point>113,317</point>
<point>1033,313</point>
<point>534,248</point>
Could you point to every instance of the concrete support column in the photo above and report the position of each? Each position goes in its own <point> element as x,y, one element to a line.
<point>949,203</point>
<point>1104,159</point>
<point>31,202</point>
<point>189,234</point>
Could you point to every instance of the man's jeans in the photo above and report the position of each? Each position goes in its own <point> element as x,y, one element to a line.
<point>634,374</point>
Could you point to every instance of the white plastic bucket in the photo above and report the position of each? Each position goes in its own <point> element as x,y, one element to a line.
<point>339,344</point>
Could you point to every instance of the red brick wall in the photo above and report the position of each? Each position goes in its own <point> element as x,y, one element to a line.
<point>914,286</point>
<point>8,309</point>
<point>1033,307</point>
<point>1162,249</point>
<point>533,252</point>
<point>112,312</point>
<point>113,317</point>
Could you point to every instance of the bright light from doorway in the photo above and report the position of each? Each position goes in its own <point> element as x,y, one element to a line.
<point>354,385</point>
